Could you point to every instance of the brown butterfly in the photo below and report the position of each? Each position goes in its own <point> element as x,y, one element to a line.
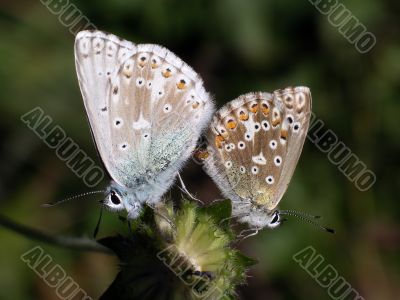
<point>254,143</point>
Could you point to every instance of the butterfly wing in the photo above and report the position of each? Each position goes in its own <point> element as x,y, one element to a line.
<point>255,142</point>
<point>145,106</point>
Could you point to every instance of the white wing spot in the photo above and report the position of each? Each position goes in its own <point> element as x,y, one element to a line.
<point>228,147</point>
<point>270,179</point>
<point>241,145</point>
<point>123,146</point>
<point>265,125</point>
<point>248,137</point>
<point>296,127</point>
<point>259,159</point>
<point>278,160</point>
<point>257,127</point>
<point>118,122</point>
<point>160,93</point>
<point>228,164</point>
<point>273,144</point>
<point>167,108</point>
<point>254,170</point>
<point>140,82</point>
<point>242,169</point>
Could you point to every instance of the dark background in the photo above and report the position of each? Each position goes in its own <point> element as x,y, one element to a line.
<point>237,47</point>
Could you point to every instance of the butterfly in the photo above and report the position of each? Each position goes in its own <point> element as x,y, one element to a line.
<point>146,109</point>
<point>253,145</point>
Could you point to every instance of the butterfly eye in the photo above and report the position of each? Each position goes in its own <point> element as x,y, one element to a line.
<point>276,220</point>
<point>114,201</point>
<point>114,198</point>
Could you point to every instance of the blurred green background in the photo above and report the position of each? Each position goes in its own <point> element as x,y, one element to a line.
<point>237,47</point>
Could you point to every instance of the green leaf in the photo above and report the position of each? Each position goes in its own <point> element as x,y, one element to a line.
<point>220,211</point>
<point>245,260</point>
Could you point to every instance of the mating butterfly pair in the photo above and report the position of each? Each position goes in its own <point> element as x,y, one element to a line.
<point>147,109</point>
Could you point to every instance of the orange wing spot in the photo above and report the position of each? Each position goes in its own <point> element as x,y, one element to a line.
<point>142,61</point>
<point>154,64</point>
<point>218,141</point>
<point>201,154</point>
<point>254,108</point>
<point>167,73</point>
<point>276,117</point>
<point>243,116</point>
<point>276,121</point>
<point>128,73</point>
<point>284,134</point>
<point>181,84</point>
<point>265,109</point>
<point>231,124</point>
<point>195,105</point>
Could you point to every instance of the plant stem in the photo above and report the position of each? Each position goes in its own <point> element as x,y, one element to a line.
<point>82,244</point>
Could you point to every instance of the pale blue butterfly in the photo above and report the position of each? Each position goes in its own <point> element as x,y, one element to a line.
<point>146,109</point>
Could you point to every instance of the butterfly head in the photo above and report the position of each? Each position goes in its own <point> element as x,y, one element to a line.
<point>119,198</point>
<point>260,218</point>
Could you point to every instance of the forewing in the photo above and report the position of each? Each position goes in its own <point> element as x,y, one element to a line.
<point>98,56</point>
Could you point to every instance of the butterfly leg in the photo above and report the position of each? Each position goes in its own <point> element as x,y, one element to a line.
<point>216,200</point>
<point>226,219</point>
<point>243,236</point>
<point>130,227</point>
<point>96,230</point>
<point>184,189</point>
<point>161,216</point>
